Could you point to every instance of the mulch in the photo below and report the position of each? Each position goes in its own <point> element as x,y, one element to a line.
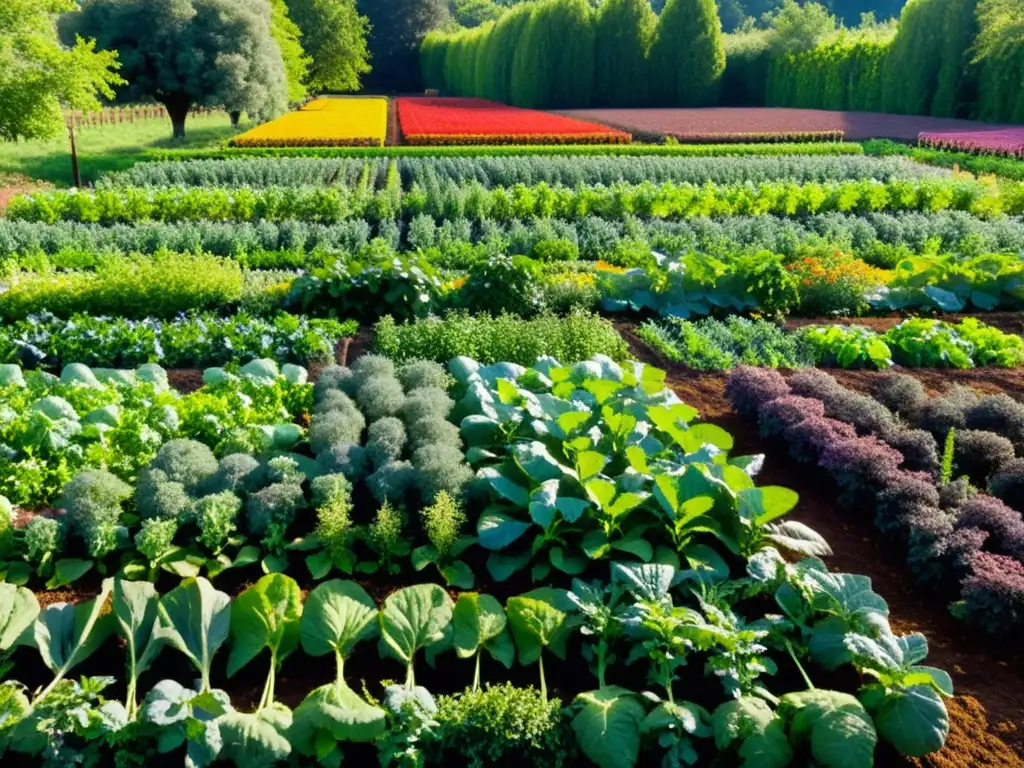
<point>646,124</point>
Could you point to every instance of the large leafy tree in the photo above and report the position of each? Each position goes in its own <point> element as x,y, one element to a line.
<point>286,34</point>
<point>688,55</point>
<point>554,59</point>
<point>39,77</point>
<point>397,28</point>
<point>334,35</point>
<point>185,53</point>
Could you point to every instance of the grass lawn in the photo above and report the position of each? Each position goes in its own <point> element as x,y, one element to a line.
<point>106,148</point>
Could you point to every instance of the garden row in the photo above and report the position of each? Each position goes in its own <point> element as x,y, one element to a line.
<point>447,199</point>
<point>714,345</point>
<point>884,455</point>
<point>564,470</point>
<point>818,282</point>
<point>509,171</point>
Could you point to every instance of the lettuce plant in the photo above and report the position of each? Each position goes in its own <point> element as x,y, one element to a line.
<point>539,620</point>
<point>480,624</point>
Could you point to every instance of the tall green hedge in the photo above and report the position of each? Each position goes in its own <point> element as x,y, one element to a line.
<point>842,74</point>
<point>554,60</point>
<point>687,56</point>
<point>623,32</point>
<point>561,53</point>
<point>1000,55</point>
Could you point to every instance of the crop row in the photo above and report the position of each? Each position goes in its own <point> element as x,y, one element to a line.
<point>820,282</point>
<point>330,122</point>
<point>636,613</point>
<point>959,540</point>
<point>881,239</point>
<point>508,171</point>
<point>564,470</point>
<point>715,345</point>
<point>477,203</point>
<point>184,342</point>
<point>549,150</point>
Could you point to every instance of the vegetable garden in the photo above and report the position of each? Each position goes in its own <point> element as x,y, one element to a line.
<point>537,447</point>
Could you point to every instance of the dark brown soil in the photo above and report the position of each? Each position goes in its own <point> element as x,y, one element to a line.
<point>646,124</point>
<point>987,715</point>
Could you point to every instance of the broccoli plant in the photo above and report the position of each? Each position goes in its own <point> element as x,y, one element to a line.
<point>335,531</point>
<point>155,543</point>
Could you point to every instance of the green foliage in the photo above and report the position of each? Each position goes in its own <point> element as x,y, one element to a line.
<point>999,58</point>
<point>40,78</point>
<point>162,286</point>
<point>720,345</point>
<point>334,35</point>
<point>687,55</point>
<point>286,34</point>
<point>503,725</point>
<point>505,338</point>
<point>623,31</point>
<point>554,58</point>
<point>232,58</point>
<point>92,501</point>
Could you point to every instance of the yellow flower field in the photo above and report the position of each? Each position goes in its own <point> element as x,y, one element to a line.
<point>345,122</point>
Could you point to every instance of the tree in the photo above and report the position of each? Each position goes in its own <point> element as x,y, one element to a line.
<point>687,56</point>
<point>39,77</point>
<point>397,28</point>
<point>554,59</point>
<point>799,27</point>
<point>473,13</point>
<point>999,55</point>
<point>623,33</point>
<point>184,53</point>
<point>286,34</point>
<point>334,35</point>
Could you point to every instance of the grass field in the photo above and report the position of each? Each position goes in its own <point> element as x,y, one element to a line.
<point>106,148</point>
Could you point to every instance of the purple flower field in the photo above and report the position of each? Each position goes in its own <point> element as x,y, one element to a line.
<point>1003,141</point>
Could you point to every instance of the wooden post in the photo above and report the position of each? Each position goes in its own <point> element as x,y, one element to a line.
<point>76,175</point>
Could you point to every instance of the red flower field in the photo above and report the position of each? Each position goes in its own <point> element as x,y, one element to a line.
<point>477,121</point>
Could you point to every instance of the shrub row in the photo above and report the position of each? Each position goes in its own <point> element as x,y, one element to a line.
<point>721,345</point>
<point>879,238</point>
<point>474,201</point>
<point>578,150</point>
<point>185,342</point>
<point>510,170</point>
<point>958,541</point>
<point>579,336</point>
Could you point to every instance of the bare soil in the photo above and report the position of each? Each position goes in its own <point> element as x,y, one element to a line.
<point>987,714</point>
<point>656,124</point>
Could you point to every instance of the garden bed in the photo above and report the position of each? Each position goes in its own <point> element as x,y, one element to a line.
<point>655,124</point>
<point>987,715</point>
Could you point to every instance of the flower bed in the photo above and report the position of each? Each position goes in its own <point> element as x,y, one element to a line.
<point>443,121</point>
<point>348,122</point>
<point>1005,141</point>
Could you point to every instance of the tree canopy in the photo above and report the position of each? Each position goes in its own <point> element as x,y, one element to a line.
<point>39,77</point>
<point>334,35</point>
<point>185,53</point>
<point>286,34</point>
<point>397,28</point>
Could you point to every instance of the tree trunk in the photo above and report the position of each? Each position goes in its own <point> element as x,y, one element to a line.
<point>235,117</point>
<point>177,110</point>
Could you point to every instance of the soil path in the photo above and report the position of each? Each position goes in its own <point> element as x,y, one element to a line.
<point>987,714</point>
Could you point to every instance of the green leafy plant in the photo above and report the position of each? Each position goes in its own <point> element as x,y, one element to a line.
<point>413,619</point>
<point>539,620</point>
<point>480,623</point>
<point>442,521</point>
<point>195,619</point>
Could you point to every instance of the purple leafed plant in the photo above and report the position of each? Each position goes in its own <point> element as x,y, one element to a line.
<point>1006,142</point>
<point>991,515</point>
<point>860,466</point>
<point>1008,484</point>
<point>809,438</point>
<point>748,389</point>
<point>992,593</point>
<point>777,416</point>
<point>905,493</point>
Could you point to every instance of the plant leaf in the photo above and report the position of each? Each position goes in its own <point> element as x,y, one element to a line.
<point>608,727</point>
<point>338,615</point>
<point>135,610</point>
<point>266,615</point>
<point>18,612</point>
<point>258,740</point>
<point>415,617</point>
<point>195,619</point>
<point>538,620</point>
<point>497,531</point>
<point>67,634</point>
<point>914,720</point>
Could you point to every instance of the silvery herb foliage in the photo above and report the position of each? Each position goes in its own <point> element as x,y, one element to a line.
<point>597,459</point>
